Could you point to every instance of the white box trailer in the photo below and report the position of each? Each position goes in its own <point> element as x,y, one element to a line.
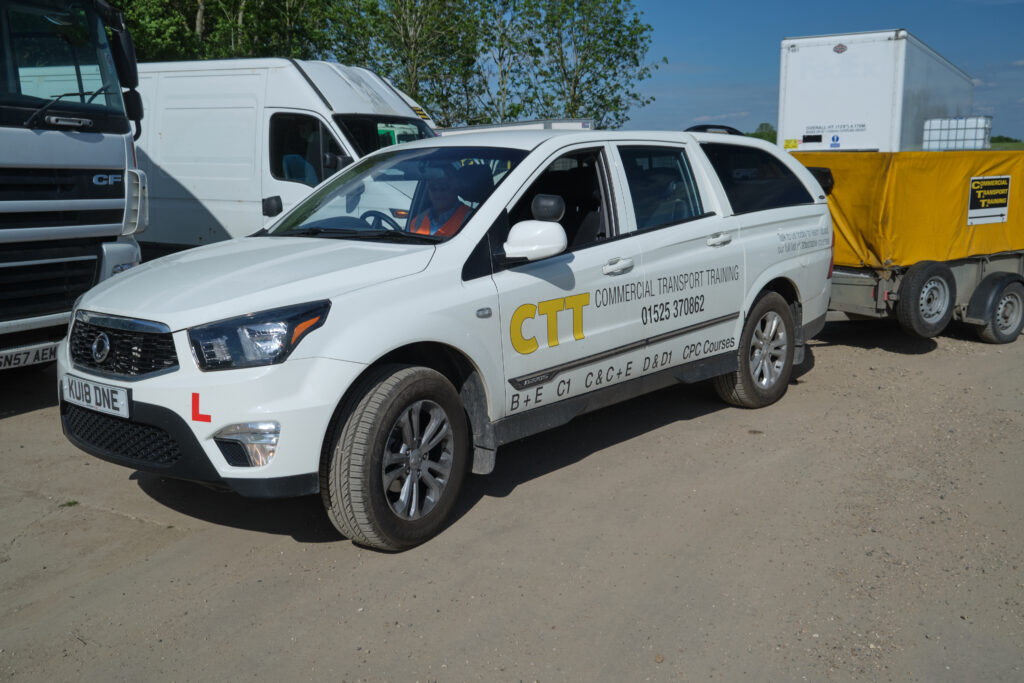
<point>230,144</point>
<point>869,91</point>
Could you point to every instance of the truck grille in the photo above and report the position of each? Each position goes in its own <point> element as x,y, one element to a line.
<point>40,279</point>
<point>121,438</point>
<point>26,184</point>
<point>131,353</point>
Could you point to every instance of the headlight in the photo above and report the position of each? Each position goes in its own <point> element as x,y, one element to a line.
<point>261,338</point>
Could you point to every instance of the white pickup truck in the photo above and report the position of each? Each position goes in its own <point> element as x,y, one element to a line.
<point>376,353</point>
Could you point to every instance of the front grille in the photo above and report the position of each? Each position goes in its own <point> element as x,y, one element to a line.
<point>132,353</point>
<point>43,288</point>
<point>58,219</point>
<point>20,184</point>
<point>40,335</point>
<point>121,438</point>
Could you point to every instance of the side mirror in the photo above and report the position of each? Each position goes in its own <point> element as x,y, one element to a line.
<point>122,49</point>
<point>133,108</point>
<point>336,162</point>
<point>272,206</point>
<point>534,240</point>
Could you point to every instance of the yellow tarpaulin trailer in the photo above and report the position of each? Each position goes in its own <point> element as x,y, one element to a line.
<point>929,237</point>
<point>900,208</point>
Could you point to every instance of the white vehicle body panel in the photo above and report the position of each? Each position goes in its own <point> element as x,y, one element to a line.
<point>865,91</point>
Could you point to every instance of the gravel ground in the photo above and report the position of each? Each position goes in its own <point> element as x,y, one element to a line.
<point>867,527</point>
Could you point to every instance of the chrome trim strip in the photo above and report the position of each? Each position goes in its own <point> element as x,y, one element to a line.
<point>119,323</point>
<point>48,261</point>
<point>51,320</point>
<point>545,376</point>
<point>45,206</point>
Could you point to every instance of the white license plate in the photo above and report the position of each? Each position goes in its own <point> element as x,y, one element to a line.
<point>43,353</point>
<point>95,396</point>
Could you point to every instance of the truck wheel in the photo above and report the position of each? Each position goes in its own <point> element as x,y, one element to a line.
<point>398,459</point>
<point>1006,318</point>
<point>765,356</point>
<point>927,295</point>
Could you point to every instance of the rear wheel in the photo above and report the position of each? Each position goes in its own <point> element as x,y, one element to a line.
<point>1006,318</point>
<point>398,460</point>
<point>927,295</point>
<point>765,356</point>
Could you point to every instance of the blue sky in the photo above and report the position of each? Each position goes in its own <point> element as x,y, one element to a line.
<point>724,56</point>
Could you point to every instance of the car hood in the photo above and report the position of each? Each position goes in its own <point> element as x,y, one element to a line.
<point>248,275</point>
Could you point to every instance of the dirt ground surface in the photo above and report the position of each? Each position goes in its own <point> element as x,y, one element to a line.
<point>867,527</point>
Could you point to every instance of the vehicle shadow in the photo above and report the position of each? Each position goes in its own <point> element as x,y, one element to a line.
<point>27,389</point>
<point>302,518</point>
<point>305,520</point>
<point>883,335</point>
<point>542,454</point>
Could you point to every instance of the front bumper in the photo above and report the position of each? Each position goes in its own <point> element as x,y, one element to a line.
<point>173,418</point>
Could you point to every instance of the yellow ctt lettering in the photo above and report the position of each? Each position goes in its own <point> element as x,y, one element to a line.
<point>550,310</point>
<point>520,343</point>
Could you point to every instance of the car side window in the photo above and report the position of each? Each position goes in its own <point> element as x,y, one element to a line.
<point>753,179</point>
<point>298,145</point>
<point>579,178</point>
<point>661,185</point>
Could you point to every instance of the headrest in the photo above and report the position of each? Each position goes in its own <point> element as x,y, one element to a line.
<point>548,207</point>
<point>475,182</point>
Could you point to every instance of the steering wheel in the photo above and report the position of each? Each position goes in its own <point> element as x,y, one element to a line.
<point>380,217</point>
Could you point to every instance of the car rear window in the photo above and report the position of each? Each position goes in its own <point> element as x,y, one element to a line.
<point>754,180</point>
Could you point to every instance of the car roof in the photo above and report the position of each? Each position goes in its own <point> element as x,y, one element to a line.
<point>531,139</point>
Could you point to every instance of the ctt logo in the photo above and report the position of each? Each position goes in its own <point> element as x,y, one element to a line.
<point>107,179</point>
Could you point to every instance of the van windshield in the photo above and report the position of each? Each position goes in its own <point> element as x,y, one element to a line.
<point>370,132</point>
<point>58,59</point>
<point>421,194</point>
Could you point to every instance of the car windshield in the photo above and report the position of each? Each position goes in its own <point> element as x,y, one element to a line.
<point>424,194</point>
<point>57,59</point>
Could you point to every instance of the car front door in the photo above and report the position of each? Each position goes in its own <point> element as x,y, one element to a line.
<point>569,322</point>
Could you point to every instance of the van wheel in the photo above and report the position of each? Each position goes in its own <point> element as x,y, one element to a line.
<point>927,294</point>
<point>398,459</point>
<point>1006,318</point>
<point>765,356</point>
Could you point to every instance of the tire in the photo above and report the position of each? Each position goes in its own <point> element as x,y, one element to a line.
<point>765,356</point>
<point>1006,318</point>
<point>379,489</point>
<point>927,295</point>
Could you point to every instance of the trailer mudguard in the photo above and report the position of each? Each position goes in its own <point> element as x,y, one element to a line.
<point>984,298</point>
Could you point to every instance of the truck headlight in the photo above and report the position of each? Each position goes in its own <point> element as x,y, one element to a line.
<point>263,338</point>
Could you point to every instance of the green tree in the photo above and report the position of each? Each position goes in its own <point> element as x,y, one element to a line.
<point>592,58</point>
<point>765,131</point>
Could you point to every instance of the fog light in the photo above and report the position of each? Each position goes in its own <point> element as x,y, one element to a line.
<point>256,440</point>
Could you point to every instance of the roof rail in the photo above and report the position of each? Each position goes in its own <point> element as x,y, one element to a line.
<point>714,128</point>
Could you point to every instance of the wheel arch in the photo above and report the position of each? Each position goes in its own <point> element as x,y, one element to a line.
<point>457,368</point>
<point>984,296</point>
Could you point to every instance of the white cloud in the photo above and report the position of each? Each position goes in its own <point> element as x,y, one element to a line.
<point>721,117</point>
<point>1019,62</point>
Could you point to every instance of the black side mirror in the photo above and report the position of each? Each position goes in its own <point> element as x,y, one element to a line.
<point>335,162</point>
<point>133,108</point>
<point>824,177</point>
<point>122,48</point>
<point>272,206</point>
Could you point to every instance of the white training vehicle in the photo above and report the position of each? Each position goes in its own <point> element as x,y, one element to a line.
<point>344,354</point>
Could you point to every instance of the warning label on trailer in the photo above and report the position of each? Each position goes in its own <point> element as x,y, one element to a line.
<point>989,200</point>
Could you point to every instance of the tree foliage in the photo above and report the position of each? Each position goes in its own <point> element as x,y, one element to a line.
<point>765,131</point>
<point>465,61</point>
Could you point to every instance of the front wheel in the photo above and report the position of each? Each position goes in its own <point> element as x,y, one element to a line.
<point>398,459</point>
<point>1006,318</point>
<point>765,356</point>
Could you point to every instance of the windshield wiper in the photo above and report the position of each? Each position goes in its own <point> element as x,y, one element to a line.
<point>39,112</point>
<point>356,234</point>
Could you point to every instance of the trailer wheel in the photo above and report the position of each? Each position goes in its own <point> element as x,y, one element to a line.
<point>398,459</point>
<point>927,295</point>
<point>1006,318</point>
<point>765,356</point>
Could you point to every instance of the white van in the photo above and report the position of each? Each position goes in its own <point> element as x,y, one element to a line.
<point>230,144</point>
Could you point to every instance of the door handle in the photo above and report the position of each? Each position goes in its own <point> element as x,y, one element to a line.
<point>617,266</point>
<point>719,239</point>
